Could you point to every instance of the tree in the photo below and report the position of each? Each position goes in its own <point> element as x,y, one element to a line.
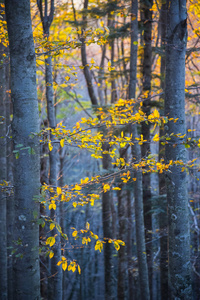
<point>178,218</point>
<point>55,281</point>
<point>3,177</point>
<point>136,152</point>
<point>25,126</point>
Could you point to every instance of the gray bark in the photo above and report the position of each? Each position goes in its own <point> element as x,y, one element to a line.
<point>162,187</point>
<point>55,281</point>
<point>122,261</point>
<point>10,197</point>
<point>3,177</point>
<point>26,166</point>
<point>136,153</point>
<point>178,218</point>
<point>86,70</point>
<point>107,233</point>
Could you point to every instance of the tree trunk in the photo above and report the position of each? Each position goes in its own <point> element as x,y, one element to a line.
<point>136,153</point>
<point>122,258</point>
<point>107,233</point>
<point>86,70</point>
<point>26,163</point>
<point>146,16</point>
<point>3,177</point>
<point>178,218</point>
<point>55,282</point>
<point>162,188</point>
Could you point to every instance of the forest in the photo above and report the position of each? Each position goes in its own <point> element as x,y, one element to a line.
<point>99,149</point>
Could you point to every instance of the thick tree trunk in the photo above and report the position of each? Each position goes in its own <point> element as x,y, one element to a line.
<point>26,163</point>
<point>3,177</point>
<point>178,218</point>
<point>136,153</point>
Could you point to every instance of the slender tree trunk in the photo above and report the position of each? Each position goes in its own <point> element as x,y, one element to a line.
<point>100,77</point>
<point>10,214</point>
<point>3,177</point>
<point>178,218</point>
<point>86,70</point>
<point>55,280</point>
<point>107,233</point>
<point>26,163</point>
<point>136,153</point>
<point>146,16</point>
<point>122,262</point>
<point>162,188</point>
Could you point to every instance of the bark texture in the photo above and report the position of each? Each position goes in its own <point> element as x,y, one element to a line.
<point>136,153</point>
<point>26,164</point>
<point>3,177</point>
<point>162,187</point>
<point>86,70</point>
<point>178,218</point>
<point>146,16</point>
<point>107,233</point>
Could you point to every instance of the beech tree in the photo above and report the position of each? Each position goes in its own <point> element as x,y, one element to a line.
<point>178,217</point>
<point>25,127</point>
<point>91,49</point>
<point>3,177</point>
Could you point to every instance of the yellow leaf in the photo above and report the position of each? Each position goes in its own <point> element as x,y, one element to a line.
<point>64,265</point>
<point>156,138</point>
<point>77,125</point>
<point>51,254</point>
<point>116,245</point>
<point>101,23</point>
<point>74,204</point>
<point>63,197</point>
<point>51,241</point>
<point>59,263</point>
<point>156,113</point>
<point>95,236</point>
<point>92,61</point>
<point>58,228</point>
<point>59,190</point>
<point>74,233</point>
<point>77,187</point>
<point>62,142</point>
<point>79,269</point>
<point>87,226</point>
<point>98,246</point>
<point>52,205</point>
<point>50,146</point>
<point>122,145</point>
<point>116,189</point>
<point>52,225</point>
<point>109,64</point>
<point>83,181</point>
<point>106,187</point>
<point>120,242</point>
